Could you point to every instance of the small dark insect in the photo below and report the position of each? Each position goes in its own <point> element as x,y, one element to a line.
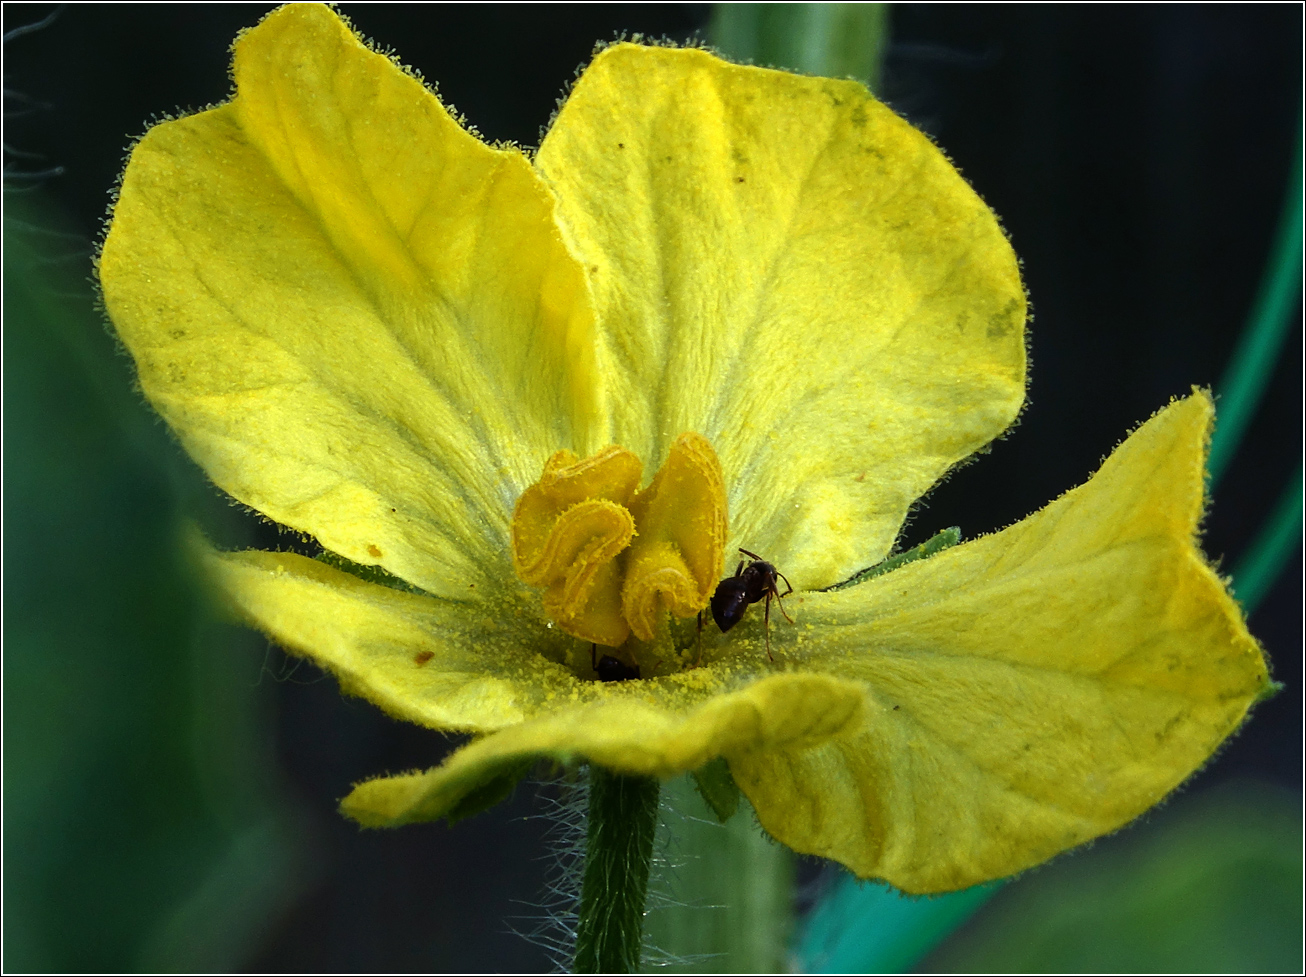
<point>611,669</point>
<point>750,584</point>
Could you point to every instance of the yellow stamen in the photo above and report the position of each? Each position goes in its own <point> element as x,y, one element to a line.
<point>613,559</point>
<point>676,560</point>
<point>566,531</point>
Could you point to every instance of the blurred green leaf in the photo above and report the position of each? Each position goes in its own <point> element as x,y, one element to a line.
<point>1213,884</point>
<point>865,927</point>
<point>137,774</point>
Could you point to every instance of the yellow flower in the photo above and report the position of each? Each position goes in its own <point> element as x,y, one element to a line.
<point>374,328</point>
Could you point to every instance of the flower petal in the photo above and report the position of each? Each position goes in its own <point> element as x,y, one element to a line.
<point>628,734</point>
<point>1029,690</point>
<point>360,319</point>
<point>427,660</point>
<point>785,266</point>
<point>450,665</point>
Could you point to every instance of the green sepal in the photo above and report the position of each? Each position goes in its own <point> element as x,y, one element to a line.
<point>937,543</point>
<point>718,789</point>
<point>372,574</point>
<point>491,792</point>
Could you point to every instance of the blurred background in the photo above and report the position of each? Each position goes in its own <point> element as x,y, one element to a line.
<point>170,781</point>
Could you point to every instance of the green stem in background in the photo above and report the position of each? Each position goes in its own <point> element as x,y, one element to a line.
<point>1259,346</point>
<point>1259,567</point>
<point>838,40</point>
<point>618,848</point>
<point>723,896</point>
<point>731,887</point>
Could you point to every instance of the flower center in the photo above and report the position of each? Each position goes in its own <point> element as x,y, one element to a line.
<point>613,558</point>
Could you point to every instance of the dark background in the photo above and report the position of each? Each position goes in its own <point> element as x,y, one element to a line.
<point>1138,157</point>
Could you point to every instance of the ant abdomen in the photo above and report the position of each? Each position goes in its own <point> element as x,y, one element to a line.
<point>729,603</point>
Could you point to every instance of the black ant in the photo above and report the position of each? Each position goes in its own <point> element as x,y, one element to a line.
<point>750,584</point>
<point>611,669</point>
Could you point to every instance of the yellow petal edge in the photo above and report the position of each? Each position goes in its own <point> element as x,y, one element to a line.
<point>1029,690</point>
<point>628,735</point>
<point>784,265</point>
<point>1015,696</point>
<point>360,319</point>
<point>374,328</point>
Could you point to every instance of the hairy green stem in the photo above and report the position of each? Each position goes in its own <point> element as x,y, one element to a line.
<point>619,846</point>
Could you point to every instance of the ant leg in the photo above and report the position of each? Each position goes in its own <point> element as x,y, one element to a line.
<point>777,596</point>
<point>594,651</point>
<point>698,641</point>
<point>766,626</point>
<point>749,554</point>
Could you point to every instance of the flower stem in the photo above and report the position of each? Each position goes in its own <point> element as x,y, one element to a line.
<point>619,845</point>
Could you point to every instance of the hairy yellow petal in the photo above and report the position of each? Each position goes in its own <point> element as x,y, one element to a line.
<point>627,734</point>
<point>360,319</point>
<point>1029,690</point>
<point>432,661</point>
<point>785,266</point>
<point>452,665</point>
<point>675,563</point>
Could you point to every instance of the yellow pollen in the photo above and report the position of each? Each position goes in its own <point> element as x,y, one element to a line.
<point>614,559</point>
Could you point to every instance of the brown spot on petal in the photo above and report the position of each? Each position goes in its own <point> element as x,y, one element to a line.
<point>373,552</point>
<point>422,657</point>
